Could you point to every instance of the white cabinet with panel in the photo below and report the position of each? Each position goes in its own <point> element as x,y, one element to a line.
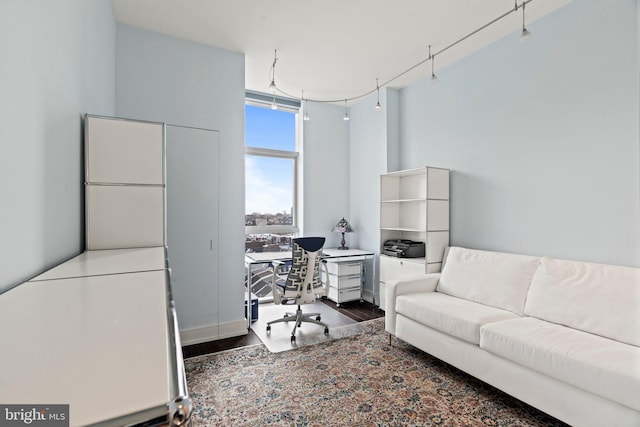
<point>414,205</point>
<point>397,269</point>
<point>124,183</point>
<point>124,151</point>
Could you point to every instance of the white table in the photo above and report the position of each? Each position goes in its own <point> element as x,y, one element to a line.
<point>256,258</point>
<point>97,332</point>
<point>113,261</point>
<point>346,254</point>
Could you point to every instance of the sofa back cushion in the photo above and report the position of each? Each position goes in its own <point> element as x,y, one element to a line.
<point>596,298</point>
<point>496,279</point>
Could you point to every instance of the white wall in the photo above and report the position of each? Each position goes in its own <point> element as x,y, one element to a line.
<point>542,137</point>
<point>57,63</point>
<point>373,151</point>
<point>325,171</point>
<point>160,78</point>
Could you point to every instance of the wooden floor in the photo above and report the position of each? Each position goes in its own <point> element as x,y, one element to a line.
<point>358,311</point>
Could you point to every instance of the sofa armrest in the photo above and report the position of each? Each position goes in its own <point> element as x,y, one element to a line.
<point>423,283</point>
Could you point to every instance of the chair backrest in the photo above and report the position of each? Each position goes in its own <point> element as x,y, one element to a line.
<point>303,279</point>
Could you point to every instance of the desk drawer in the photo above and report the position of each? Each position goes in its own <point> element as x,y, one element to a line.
<point>340,296</point>
<point>344,282</point>
<point>344,268</point>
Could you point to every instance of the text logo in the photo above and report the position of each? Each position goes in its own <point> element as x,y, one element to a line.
<point>34,415</point>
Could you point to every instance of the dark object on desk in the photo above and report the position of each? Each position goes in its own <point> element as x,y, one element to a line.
<point>403,248</point>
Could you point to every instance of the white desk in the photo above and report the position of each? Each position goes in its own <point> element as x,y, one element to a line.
<point>346,254</point>
<point>105,343</point>
<point>330,254</point>
<point>251,261</point>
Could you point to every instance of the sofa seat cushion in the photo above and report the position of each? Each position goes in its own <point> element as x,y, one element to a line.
<point>454,316</point>
<point>604,367</point>
<point>597,298</point>
<point>497,279</point>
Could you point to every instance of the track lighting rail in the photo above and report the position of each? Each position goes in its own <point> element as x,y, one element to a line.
<point>274,87</point>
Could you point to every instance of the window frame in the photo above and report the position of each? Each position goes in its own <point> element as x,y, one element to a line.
<point>281,154</point>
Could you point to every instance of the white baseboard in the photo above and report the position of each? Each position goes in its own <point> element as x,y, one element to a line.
<point>232,329</point>
<point>367,295</point>
<point>213,332</point>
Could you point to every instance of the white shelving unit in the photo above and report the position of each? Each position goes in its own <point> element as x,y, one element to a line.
<point>414,205</point>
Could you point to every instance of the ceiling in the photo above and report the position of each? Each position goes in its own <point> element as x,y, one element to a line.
<point>334,49</point>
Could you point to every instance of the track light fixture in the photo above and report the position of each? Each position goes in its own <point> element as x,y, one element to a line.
<point>525,34</point>
<point>434,79</point>
<point>306,117</point>
<point>272,85</point>
<point>378,106</point>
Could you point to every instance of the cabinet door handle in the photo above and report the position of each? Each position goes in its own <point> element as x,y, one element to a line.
<point>211,245</point>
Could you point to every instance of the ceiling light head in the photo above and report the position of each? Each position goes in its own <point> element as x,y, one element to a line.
<point>306,117</point>
<point>434,79</point>
<point>525,35</point>
<point>272,72</point>
<point>378,107</point>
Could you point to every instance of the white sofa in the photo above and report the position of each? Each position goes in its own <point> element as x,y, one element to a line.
<point>562,336</point>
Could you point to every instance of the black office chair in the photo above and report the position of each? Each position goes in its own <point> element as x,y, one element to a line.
<point>302,283</point>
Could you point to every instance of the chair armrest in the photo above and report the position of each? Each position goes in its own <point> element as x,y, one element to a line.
<point>277,291</point>
<point>423,283</point>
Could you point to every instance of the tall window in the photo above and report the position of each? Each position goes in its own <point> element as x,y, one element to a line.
<point>271,165</point>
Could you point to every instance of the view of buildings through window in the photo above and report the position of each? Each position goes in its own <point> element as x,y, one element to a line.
<point>270,185</point>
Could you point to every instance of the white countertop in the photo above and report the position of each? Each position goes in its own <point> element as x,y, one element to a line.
<point>95,343</point>
<point>344,253</point>
<point>93,333</point>
<point>331,253</point>
<point>258,257</point>
<point>113,261</point>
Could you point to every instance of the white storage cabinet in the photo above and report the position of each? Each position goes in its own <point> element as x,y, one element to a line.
<point>414,205</point>
<point>345,281</point>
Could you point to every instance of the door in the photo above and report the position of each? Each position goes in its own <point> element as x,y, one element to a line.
<point>192,225</point>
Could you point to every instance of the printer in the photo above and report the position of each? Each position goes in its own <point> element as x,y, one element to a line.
<point>403,248</point>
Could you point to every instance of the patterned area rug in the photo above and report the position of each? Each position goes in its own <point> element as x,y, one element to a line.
<point>359,380</point>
